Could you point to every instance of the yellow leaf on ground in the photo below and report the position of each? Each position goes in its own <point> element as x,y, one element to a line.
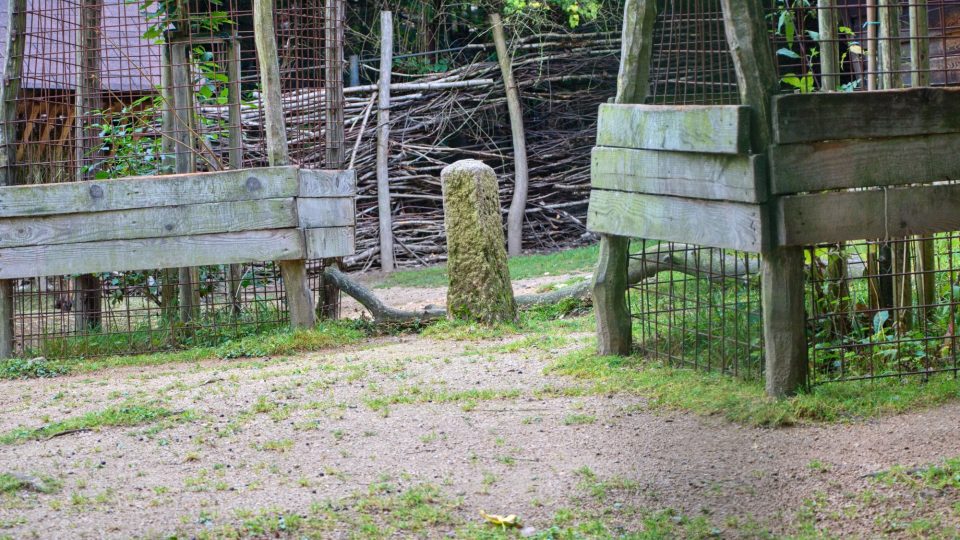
<point>504,521</point>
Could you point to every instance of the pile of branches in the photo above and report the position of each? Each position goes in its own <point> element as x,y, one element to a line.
<point>461,113</point>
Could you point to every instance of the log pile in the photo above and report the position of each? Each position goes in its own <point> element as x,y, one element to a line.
<point>461,113</point>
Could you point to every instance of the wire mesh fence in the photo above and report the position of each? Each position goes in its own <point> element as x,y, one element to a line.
<point>698,307</point>
<point>874,308</point>
<point>112,88</point>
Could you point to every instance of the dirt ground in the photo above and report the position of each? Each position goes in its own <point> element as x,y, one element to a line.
<point>477,419</point>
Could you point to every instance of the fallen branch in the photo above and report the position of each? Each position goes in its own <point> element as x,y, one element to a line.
<point>713,264</point>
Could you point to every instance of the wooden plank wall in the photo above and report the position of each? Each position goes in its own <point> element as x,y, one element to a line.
<point>866,165</point>
<point>680,173</point>
<point>274,213</point>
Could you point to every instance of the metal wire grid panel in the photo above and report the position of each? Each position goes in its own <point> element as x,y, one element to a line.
<point>883,308</point>
<point>695,306</point>
<point>691,62</point>
<point>874,308</point>
<point>112,89</point>
<point>698,307</point>
<point>834,45</point>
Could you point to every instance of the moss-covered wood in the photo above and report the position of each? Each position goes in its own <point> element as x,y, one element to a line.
<point>480,287</point>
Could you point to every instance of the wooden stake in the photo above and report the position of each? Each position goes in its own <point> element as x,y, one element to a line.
<point>782,273</point>
<point>829,47</point>
<point>329,305</point>
<point>520,171</point>
<point>889,11</point>
<point>88,304</point>
<point>234,73</point>
<point>294,272</point>
<point>614,328</point>
<point>920,76</point>
<point>383,143</point>
<point>9,88</point>
<point>183,129</point>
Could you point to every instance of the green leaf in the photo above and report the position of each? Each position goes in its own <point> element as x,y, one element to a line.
<point>788,53</point>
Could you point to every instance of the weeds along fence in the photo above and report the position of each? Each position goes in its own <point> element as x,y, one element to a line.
<point>112,88</point>
<point>874,308</point>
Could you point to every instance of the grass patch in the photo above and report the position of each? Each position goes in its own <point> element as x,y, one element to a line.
<point>130,415</point>
<point>744,401</point>
<point>554,321</point>
<point>13,483</point>
<point>417,394</point>
<point>522,267</point>
<point>277,342</point>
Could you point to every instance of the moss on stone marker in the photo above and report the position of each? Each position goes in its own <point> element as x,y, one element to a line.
<point>480,288</point>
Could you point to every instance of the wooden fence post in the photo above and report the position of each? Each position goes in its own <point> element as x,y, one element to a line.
<point>919,77</point>
<point>383,142</point>
<point>329,305</point>
<point>782,271</point>
<point>13,43</point>
<point>829,48</point>
<point>614,327</point>
<point>521,175</point>
<point>168,290</point>
<point>294,272</point>
<point>88,295</point>
<point>183,111</point>
<point>234,73</point>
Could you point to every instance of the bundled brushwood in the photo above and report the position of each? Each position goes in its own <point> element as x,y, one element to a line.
<point>461,113</point>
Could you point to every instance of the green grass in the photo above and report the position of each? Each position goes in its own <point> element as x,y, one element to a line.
<point>129,415</point>
<point>744,401</point>
<point>522,267</point>
<point>278,342</point>
<point>12,483</point>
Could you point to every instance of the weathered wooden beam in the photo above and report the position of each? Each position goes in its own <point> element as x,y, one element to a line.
<point>233,273</point>
<point>177,251</point>
<point>328,305</point>
<point>294,272</point>
<point>849,115</point>
<point>721,129</point>
<point>719,224</point>
<point>879,213</point>
<point>757,80</point>
<point>785,341</point>
<point>858,163</point>
<point>384,215</point>
<point>13,44</point>
<point>919,43</point>
<point>158,222</point>
<point>329,242</point>
<point>724,177</point>
<point>327,183</point>
<point>327,212</point>
<point>829,45</point>
<point>633,81</point>
<point>889,14</point>
<point>782,281</point>
<point>614,328</point>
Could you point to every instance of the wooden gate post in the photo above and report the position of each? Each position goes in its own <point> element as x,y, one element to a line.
<point>9,88</point>
<point>614,327</point>
<point>294,273</point>
<point>383,143</point>
<point>87,290</point>
<point>183,111</point>
<point>782,272</point>
<point>329,305</point>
